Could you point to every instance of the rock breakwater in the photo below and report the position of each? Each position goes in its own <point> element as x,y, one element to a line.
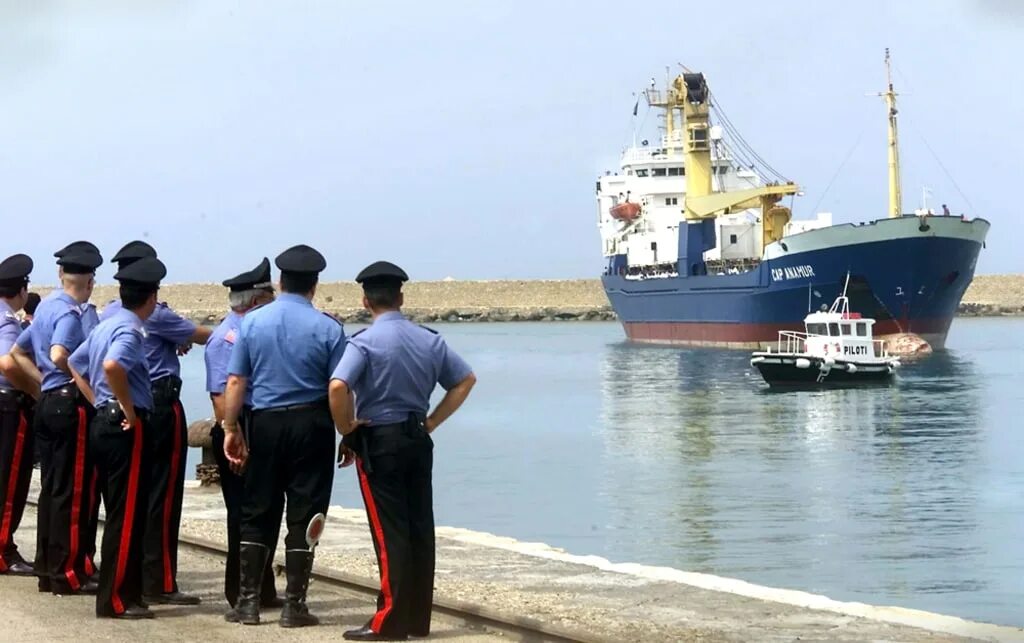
<point>514,300</point>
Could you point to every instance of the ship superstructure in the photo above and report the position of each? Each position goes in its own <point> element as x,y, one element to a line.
<point>701,249</point>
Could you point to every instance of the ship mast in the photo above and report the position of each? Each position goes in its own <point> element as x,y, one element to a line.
<point>895,191</point>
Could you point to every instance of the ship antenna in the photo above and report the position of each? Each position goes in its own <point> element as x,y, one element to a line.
<point>895,191</point>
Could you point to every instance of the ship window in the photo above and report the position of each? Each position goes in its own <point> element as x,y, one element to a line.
<point>732,238</point>
<point>815,329</point>
<point>833,330</point>
<point>641,172</point>
<point>629,172</point>
<point>846,329</point>
<point>699,138</point>
<point>671,200</point>
<point>862,329</point>
<point>675,171</point>
<point>658,171</point>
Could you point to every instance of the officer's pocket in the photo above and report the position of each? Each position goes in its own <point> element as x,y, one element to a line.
<point>381,445</point>
<point>62,411</point>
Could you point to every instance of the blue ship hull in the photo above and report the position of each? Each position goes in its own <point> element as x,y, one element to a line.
<point>908,274</point>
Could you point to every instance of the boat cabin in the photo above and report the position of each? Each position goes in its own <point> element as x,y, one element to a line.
<point>840,334</point>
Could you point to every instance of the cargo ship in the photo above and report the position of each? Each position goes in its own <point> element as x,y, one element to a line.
<point>701,249</point>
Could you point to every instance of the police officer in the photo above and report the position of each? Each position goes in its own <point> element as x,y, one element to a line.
<point>110,370</point>
<point>392,367</point>
<point>62,562</point>
<point>166,443</point>
<point>31,303</point>
<point>288,350</point>
<point>15,422</point>
<point>247,291</point>
<point>89,316</point>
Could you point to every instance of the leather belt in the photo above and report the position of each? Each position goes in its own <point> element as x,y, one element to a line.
<point>111,410</point>
<point>318,404</point>
<point>10,396</point>
<point>68,390</point>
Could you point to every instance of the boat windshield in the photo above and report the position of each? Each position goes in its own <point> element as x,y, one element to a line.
<point>817,329</point>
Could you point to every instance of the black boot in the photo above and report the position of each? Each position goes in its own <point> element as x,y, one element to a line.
<point>251,558</point>
<point>298,565</point>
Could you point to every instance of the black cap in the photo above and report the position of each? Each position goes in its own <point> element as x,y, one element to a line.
<point>302,259</point>
<point>80,262</point>
<point>14,270</point>
<point>76,247</point>
<point>133,251</point>
<point>258,277</point>
<point>145,272</point>
<point>381,273</point>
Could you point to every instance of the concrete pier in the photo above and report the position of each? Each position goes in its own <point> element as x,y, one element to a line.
<point>602,601</point>
<point>589,597</point>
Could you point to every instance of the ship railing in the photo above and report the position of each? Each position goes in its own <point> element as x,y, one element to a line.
<point>791,341</point>
<point>732,266</point>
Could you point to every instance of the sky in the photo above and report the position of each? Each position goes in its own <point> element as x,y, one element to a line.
<point>463,139</point>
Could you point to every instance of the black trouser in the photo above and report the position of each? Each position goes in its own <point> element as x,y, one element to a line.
<point>16,450</point>
<point>394,466</point>
<point>291,453</point>
<point>232,487</point>
<point>165,448</point>
<point>63,532</point>
<point>118,455</point>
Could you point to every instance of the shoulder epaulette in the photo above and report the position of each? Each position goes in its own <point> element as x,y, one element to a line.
<point>427,328</point>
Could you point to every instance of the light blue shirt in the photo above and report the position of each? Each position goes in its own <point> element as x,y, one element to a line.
<point>166,330</point>
<point>57,322</point>
<point>119,338</point>
<point>393,366</point>
<point>218,355</point>
<point>288,350</point>
<point>90,318</point>
<point>10,328</point>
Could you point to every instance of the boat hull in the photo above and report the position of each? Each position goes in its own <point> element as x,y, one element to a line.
<point>782,370</point>
<point>908,274</point>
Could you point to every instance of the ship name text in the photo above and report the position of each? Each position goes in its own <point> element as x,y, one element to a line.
<point>792,272</point>
<point>855,350</point>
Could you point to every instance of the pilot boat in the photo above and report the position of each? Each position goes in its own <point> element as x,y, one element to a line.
<point>836,347</point>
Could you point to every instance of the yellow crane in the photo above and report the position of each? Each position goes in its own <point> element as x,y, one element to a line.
<point>689,95</point>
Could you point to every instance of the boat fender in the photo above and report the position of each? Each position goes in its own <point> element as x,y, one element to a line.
<point>851,368</point>
<point>829,361</point>
<point>803,362</point>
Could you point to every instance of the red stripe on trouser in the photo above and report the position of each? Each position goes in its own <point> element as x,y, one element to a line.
<point>12,485</point>
<point>378,535</point>
<point>90,566</point>
<point>129,519</point>
<point>172,485</point>
<point>76,501</point>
